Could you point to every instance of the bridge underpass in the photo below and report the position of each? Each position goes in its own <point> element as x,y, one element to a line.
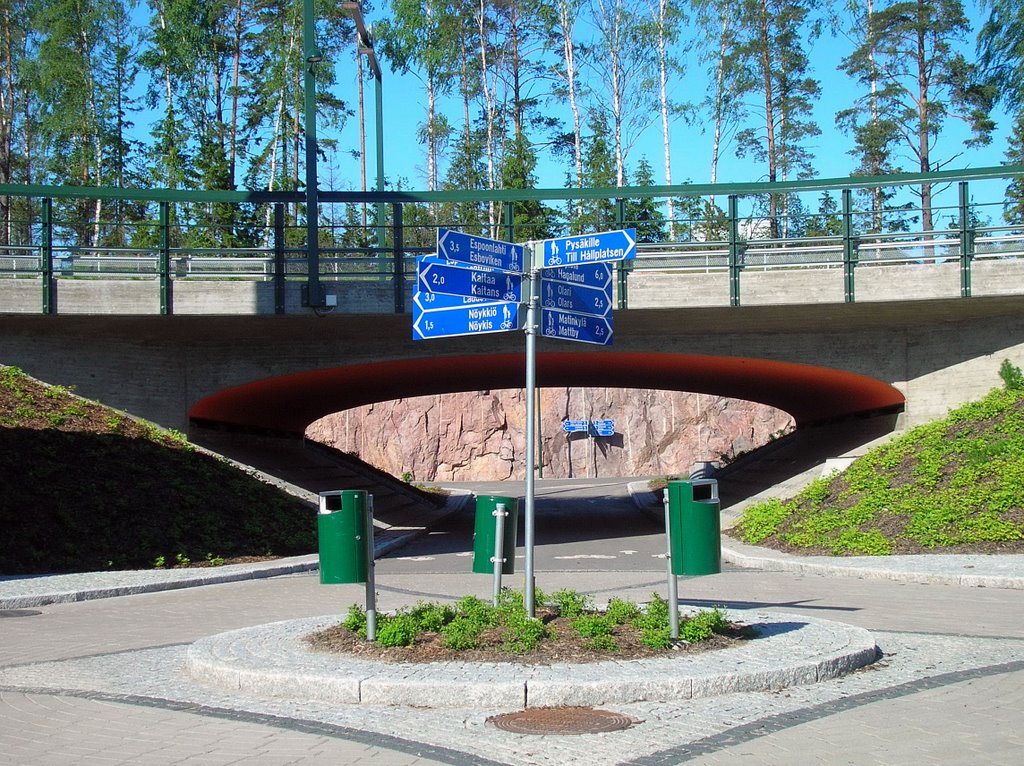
<point>277,374</point>
<point>287,404</point>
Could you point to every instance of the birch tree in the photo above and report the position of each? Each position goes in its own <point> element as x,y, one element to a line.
<point>627,72</point>
<point>666,18</point>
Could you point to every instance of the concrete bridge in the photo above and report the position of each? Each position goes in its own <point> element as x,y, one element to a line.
<point>819,362</point>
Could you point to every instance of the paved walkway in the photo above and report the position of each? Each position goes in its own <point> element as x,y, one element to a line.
<point>86,677</point>
<point>103,681</point>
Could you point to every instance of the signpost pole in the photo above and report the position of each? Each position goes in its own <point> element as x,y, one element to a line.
<point>500,512</point>
<point>531,279</point>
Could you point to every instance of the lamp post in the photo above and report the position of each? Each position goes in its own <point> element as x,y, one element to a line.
<point>313,56</point>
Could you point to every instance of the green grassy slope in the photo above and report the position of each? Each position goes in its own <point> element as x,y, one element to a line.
<point>952,486</point>
<point>86,488</point>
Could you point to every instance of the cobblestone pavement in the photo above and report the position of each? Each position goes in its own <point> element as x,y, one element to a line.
<point>103,681</point>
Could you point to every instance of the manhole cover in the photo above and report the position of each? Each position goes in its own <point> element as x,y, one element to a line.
<point>19,612</point>
<point>562,720</point>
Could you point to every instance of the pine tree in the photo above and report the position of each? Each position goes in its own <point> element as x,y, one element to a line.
<point>645,213</point>
<point>918,80</point>
<point>771,38</point>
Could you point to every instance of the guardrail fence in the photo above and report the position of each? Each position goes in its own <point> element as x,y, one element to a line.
<point>89,250</point>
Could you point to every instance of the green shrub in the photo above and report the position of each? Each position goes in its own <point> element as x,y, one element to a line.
<point>1013,377</point>
<point>657,638</point>
<point>593,625</point>
<point>597,629</point>
<point>522,633</point>
<point>461,633</point>
<point>397,630</point>
<point>571,603</point>
<point>477,610</point>
<point>355,620</point>
<point>621,612</point>
<point>702,625</point>
<point>432,617</point>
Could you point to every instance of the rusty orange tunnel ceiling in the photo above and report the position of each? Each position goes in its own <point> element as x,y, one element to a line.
<point>289,403</point>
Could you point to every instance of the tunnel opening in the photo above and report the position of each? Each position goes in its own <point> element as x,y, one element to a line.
<point>581,432</point>
<point>288,404</point>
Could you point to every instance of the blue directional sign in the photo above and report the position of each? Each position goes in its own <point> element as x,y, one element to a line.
<point>479,251</point>
<point>443,316</point>
<point>603,427</point>
<point>579,327</point>
<point>603,246</point>
<point>594,301</point>
<point>437,276</point>
<point>584,275</point>
<point>574,426</point>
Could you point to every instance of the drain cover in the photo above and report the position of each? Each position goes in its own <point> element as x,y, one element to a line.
<point>562,720</point>
<point>19,612</point>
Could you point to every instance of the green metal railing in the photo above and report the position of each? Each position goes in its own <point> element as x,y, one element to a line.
<point>177,237</point>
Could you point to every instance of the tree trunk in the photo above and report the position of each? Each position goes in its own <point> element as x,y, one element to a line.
<point>663,97</point>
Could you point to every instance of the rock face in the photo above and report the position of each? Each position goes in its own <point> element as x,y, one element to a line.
<point>479,436</point>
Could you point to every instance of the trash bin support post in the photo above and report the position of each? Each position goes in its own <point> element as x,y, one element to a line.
<point>371,591</point>
<point>673,584</point>
<point>498,559</point>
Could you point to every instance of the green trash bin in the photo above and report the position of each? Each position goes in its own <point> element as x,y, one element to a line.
<point>695,530</point>
<point>341,531</point>
<point>483,534</point>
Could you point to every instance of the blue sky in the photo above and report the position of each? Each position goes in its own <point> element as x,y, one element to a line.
<point>405,107</point>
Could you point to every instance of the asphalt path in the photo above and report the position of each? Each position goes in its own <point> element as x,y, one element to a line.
<point>948,689</point>
<point>579,525</point>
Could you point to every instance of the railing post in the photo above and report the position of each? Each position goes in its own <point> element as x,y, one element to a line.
<point>164,260</point>
<point>849,248</point>
<point>398,256</point>
<point>279,264</point>
<point>966,241</point>
<point>621,268</point>
<point>509,214</point>
<point>46,257</point>
<point>735,251</point>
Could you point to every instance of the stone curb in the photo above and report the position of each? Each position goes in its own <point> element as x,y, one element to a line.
<point>273,661</point>
<point>874,568</point>
<point>936,569</point>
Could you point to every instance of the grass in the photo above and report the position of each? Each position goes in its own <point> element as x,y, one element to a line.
<point>954,485</point>
<point>87,488</point>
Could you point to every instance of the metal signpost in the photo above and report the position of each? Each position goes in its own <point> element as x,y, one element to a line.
<point>490,280</point>
<point>603,427</point>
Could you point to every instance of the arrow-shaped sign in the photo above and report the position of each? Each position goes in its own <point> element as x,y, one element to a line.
<point>479,251</point>
<point>437,276</point>
<point>584,275</point>
<point>578,327</point>
<point>604,246</point>
<point>444,316</point>
<point>594,301</point>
